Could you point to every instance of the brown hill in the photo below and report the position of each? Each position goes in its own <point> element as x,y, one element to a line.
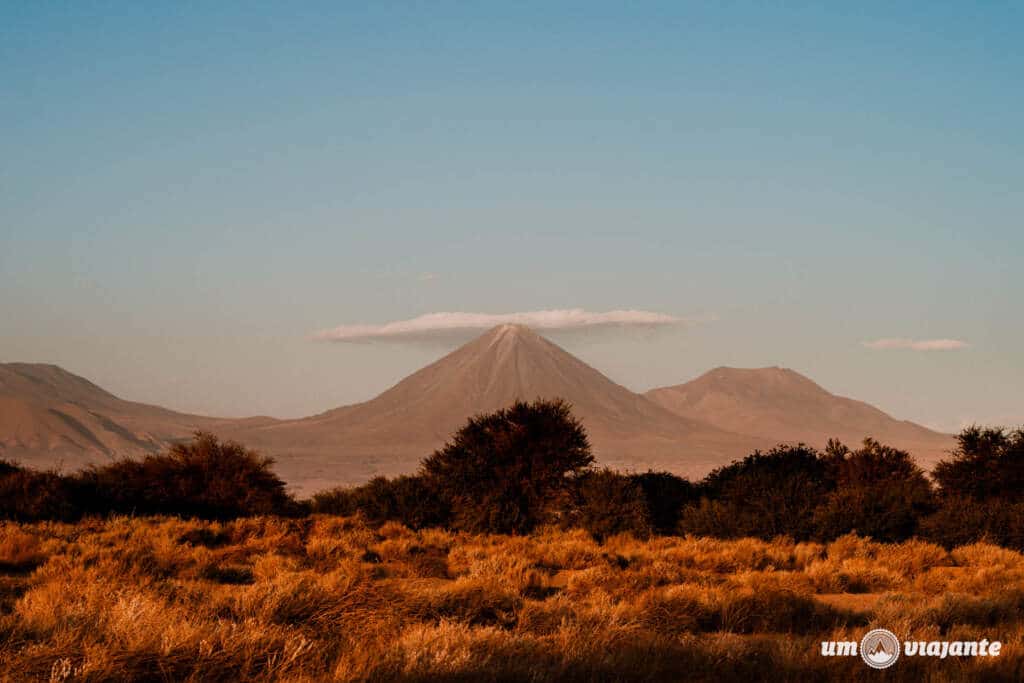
<point>49,417</point>
<point>391,433</point>
<point>782,405</point>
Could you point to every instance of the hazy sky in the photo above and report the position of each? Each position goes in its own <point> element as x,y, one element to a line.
<point>189,195</point>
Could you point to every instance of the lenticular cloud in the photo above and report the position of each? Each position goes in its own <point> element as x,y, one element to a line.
<point>435,324</point>
<point>917,344</point>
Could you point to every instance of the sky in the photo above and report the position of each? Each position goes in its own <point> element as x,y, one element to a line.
<point>191,194</point>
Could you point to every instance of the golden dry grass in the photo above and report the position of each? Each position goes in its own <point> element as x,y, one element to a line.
<point>328,598</point>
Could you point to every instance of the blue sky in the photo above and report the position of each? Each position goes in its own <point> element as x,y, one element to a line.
<point>187,194</point>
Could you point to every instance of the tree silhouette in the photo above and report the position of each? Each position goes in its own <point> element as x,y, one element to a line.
<point>987,464</point>
<point>879,492</point>
<point>205,478</point>
<point>765,495</point>
<point>508,471</point>
<point>608,503</point>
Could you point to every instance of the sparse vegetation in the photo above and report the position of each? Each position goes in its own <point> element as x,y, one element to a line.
<point>530,464</point>
<point>333,598</point>
<point>206,478</point>
<point>405,579</point>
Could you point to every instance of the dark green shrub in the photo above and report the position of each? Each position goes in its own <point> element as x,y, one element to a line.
<point>721,519</point>
<point>409,500</point>
<point>961,521</point>
<point>987,464</point>
<point>608,503</point>
<point>764,495</point>
<point>206,478</point>
<point>665,494</point>
<point>879,492</point>
<point>509,471</point>
<point>29,495</point>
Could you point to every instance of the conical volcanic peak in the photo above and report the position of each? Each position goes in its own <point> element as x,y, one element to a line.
<point>391,433</point>
<point>48,415</point>
<point>510,330</point>
<point>505,364</point>
<point>783,405</point>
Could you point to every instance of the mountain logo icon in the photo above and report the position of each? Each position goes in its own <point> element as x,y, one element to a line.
<point>880,648</point>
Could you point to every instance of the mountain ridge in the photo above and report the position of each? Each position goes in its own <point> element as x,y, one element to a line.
<point>393,431</point>
<point>49,416</point>
<point>793,408</point>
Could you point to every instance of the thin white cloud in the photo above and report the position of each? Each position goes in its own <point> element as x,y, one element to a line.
<point>917,344</point>
<point>433,324</point>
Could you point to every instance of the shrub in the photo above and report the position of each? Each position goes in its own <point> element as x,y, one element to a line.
<point>609,503</point>
<point>29,495</point>
<point>764,495</point>
<point>205,478</point>
<point>962,521</point>
<point>879,492</point>
<point>509,471</point>
<point>987,463</point>
<point>665,494</point>
<point>712,518</point>
<point>409,500</point>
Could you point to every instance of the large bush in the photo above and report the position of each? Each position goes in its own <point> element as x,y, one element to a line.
<point>28,495</point>
<point>509,471</point>
<point>961,521</point>
<point>764,495</point>
<point>987,464</point>
<point>879,492</point>
<point>608,503</point>
<point>409,500</point>
<point>981,490</point>
<point>664,494</point>
<point>206,478</point>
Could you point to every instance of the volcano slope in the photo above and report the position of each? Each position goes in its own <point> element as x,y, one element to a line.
<point>391,433</point>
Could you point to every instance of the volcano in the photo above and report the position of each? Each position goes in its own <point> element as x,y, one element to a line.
<point>393,432</point>
<point>49,416</point>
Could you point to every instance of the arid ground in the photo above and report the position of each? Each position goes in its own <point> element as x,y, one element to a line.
<point>330,598</point>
